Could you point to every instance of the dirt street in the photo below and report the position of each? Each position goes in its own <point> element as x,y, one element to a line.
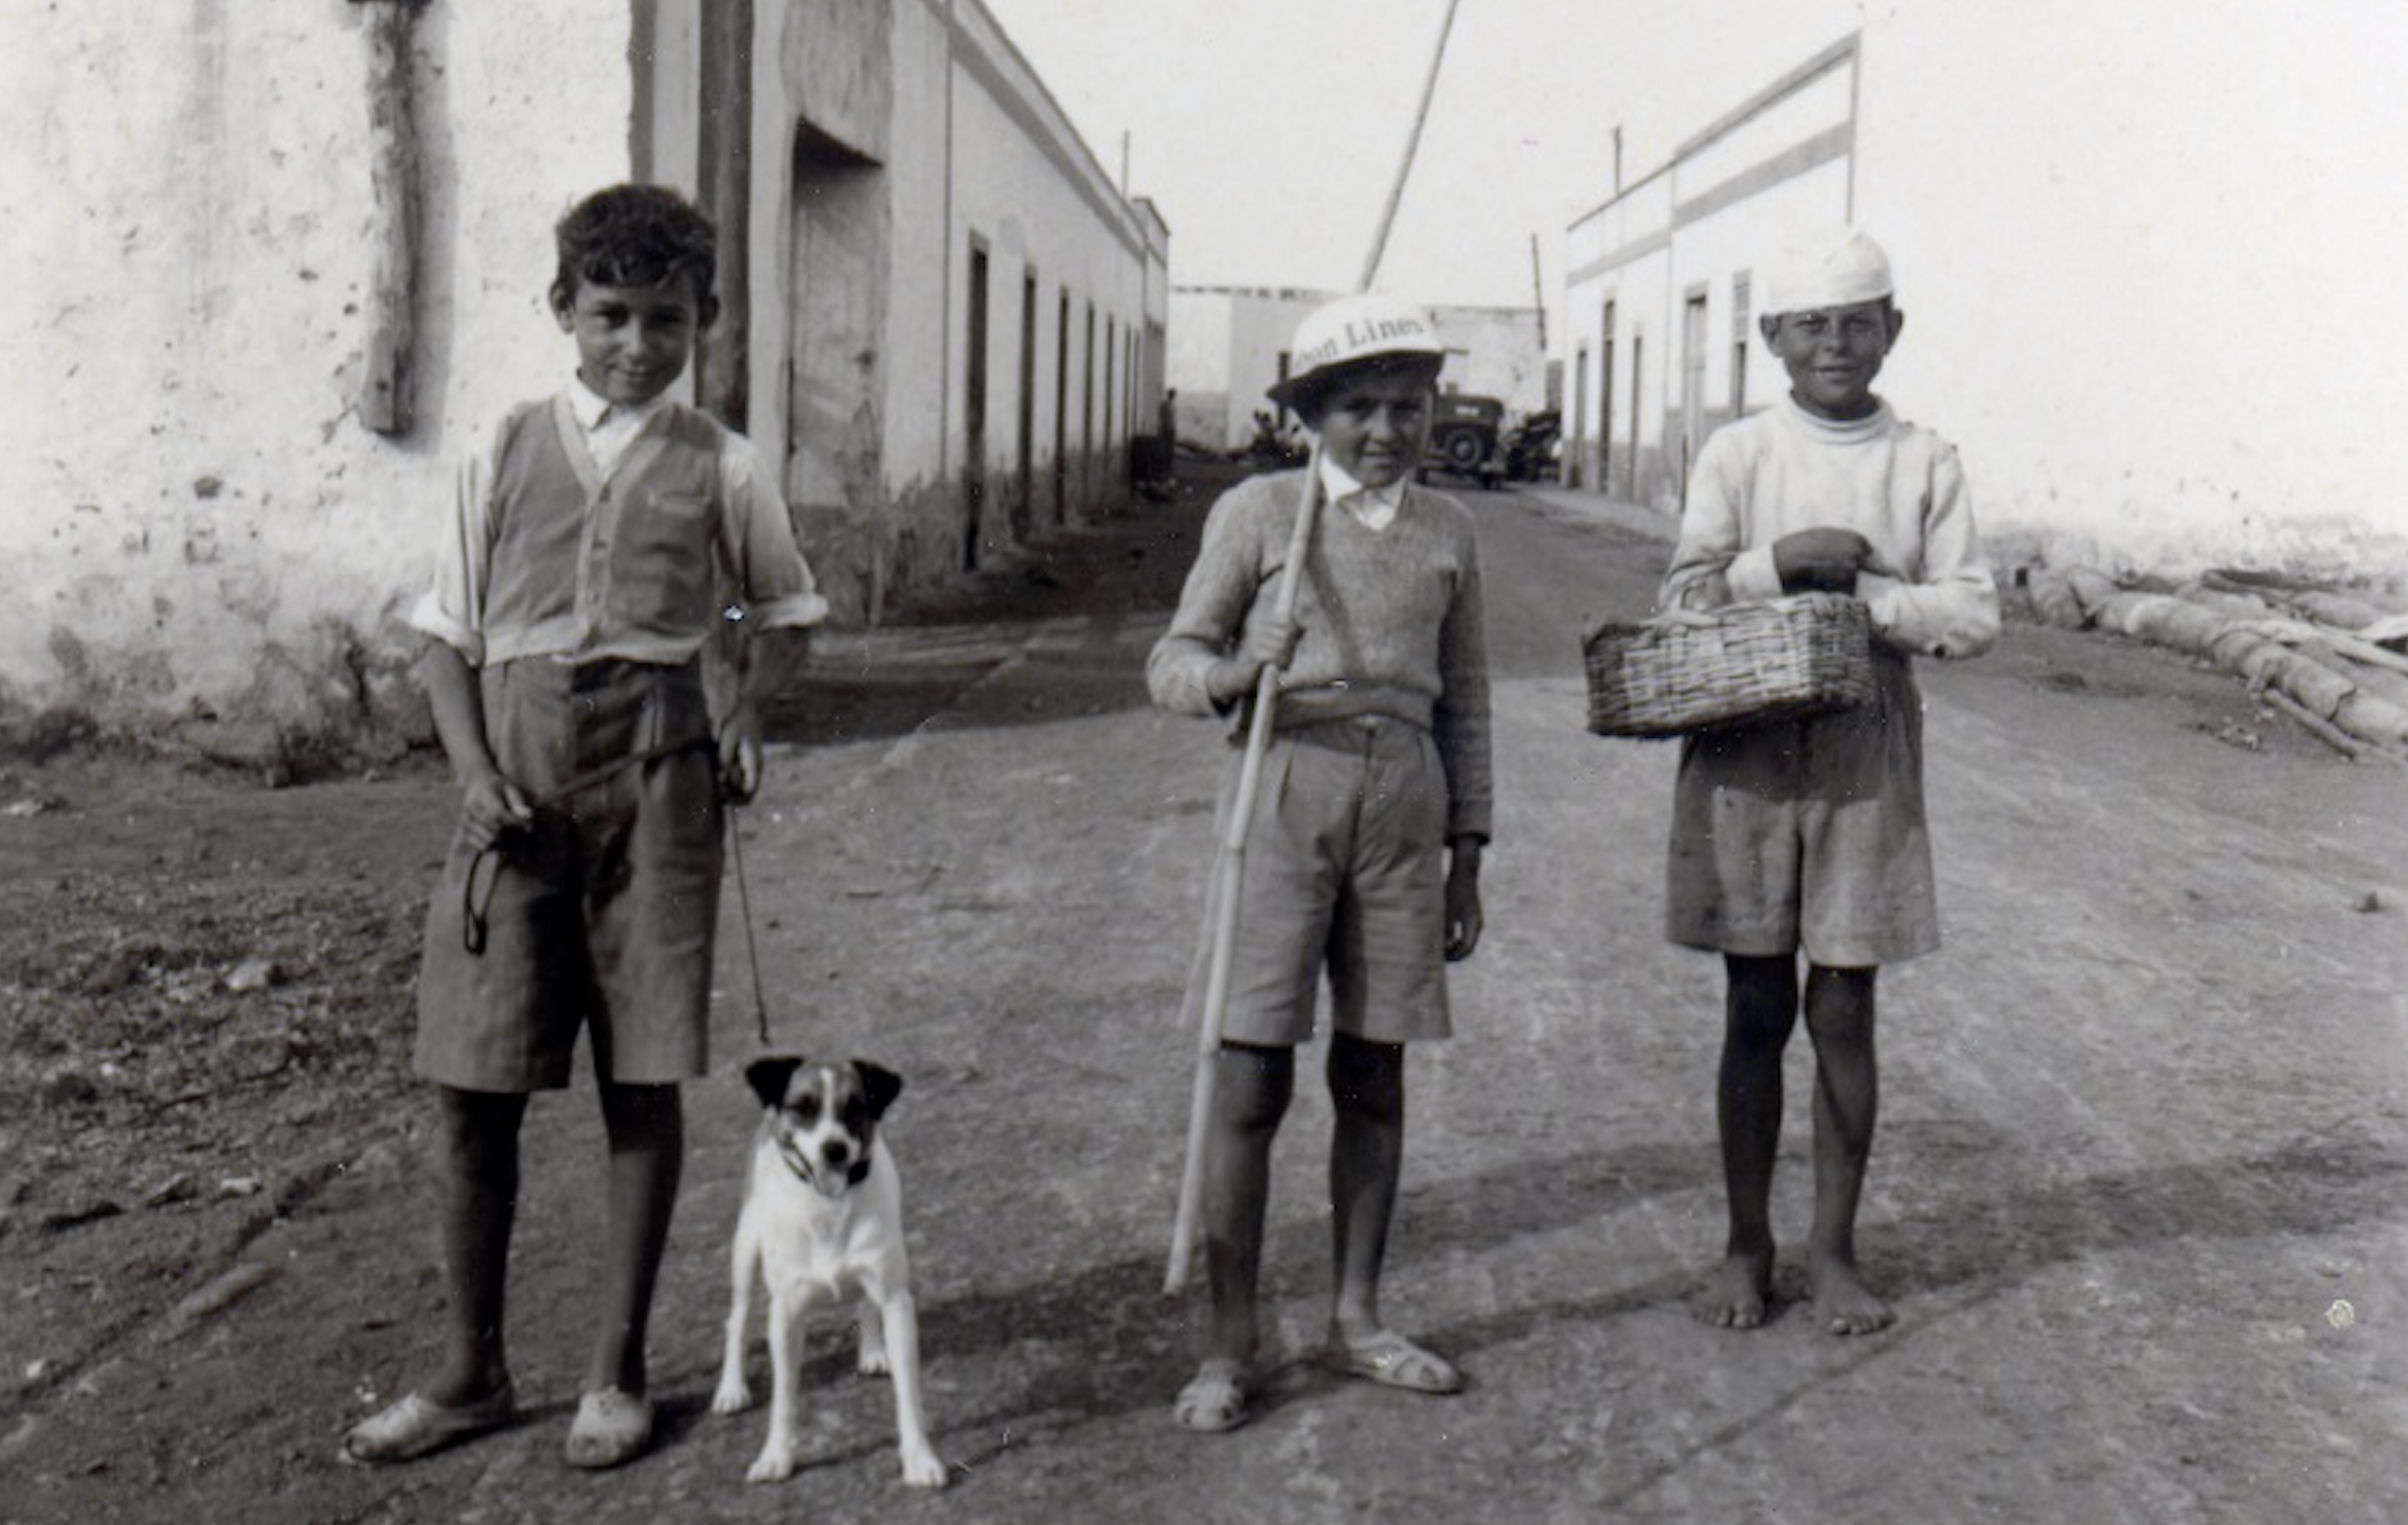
<point>2138,1194</point>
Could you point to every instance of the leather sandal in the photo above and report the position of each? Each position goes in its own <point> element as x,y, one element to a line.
<point>416,1426</point>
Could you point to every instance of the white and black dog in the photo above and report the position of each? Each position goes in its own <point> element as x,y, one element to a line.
<point>822,1222</point>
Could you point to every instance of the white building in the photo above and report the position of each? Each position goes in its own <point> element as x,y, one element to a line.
<point>1229,345</point>
<point>278,264</point>
<point>2144,254</point>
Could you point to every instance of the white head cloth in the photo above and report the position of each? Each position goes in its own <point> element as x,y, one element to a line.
<point>1832,270</point>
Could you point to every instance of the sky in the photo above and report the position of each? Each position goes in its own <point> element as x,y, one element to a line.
<point>1269,132</point>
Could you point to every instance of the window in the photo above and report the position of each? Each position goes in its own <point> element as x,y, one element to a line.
<point>1028,401</point>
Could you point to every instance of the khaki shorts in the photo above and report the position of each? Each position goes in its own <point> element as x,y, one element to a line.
<point>1809,835</point>
<point>1345,873</point>
<point>601,917</point>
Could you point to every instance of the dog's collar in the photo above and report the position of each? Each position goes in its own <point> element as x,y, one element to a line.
<point>795,1161</point>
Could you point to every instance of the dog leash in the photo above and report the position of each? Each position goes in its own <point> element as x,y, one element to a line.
<point>743,904</point>
<point>475,904</point>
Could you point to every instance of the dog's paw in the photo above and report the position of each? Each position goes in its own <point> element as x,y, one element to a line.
<point>873,1363</point>
<point>774,1464</point>
<point>922,1467</point>
<point>732,1397</point>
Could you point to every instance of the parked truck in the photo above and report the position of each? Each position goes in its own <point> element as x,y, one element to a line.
<point>1466,438</point>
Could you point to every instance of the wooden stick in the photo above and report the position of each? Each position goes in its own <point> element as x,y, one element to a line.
<point>1228,884</point>
<point>389,351</point>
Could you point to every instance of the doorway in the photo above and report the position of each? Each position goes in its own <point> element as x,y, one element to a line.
<point>1606,403</point>
<point>1692,382</point>
<point>1025,504</point>
<point>836,283</point>
<point>973,411</point>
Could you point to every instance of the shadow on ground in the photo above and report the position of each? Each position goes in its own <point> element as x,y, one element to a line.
<point>1057,631</point>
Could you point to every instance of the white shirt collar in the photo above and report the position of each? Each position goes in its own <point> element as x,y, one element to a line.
<point>593,409</point>
<point>1375,507</point>
<point>609,428</point>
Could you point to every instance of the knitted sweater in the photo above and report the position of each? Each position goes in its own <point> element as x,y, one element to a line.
<point>1899,486</point>
<point>1391,623</point>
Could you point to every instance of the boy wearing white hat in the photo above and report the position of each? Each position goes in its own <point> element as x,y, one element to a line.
<point>1363,853</point>
<point>1810,836</point>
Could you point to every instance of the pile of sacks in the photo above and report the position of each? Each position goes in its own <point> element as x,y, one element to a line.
<point>2333,661</point>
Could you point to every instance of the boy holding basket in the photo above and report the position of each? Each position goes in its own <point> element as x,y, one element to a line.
<point>1810,834</point>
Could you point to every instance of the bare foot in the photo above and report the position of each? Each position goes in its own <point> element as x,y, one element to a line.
<point>1842,1300</point>
<point>1734,1294</point>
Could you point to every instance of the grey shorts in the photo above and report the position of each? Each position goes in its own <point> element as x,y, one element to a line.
<point>601,917</point>
<point>1809,835</point>
<point>1344,873</point>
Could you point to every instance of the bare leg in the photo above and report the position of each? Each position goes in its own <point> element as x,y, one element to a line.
<point>1250,1097</point>
<point>480,1205</point>
<point>1759,1013</point>
<point>1366,1161</point>
<point>1839,1014</point>
<point>648,1150</point>
<point>1252,1086</point>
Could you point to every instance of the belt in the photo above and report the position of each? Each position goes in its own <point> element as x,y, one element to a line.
<point>1352,732</point>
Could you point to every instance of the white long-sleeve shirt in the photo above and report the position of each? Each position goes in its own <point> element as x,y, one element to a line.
<point>1900,485</point>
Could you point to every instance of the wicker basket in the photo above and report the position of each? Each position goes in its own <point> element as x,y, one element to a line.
<point>1738,665</point>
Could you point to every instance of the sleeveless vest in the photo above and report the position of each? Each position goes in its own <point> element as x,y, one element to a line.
<point>579,563</point>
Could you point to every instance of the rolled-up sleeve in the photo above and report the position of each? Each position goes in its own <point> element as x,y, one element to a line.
<point>774,585</point>
<point>452,611</point>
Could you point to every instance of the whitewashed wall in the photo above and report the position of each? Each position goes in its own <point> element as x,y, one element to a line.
<point>201,541</point>
<point>2150,254</point>
<point>1494,353</point>
<point>961,143</point>
<point>1030,187</point>
<point>1226,344</point>
<point>1197,366</point>
<point>2146,251</point>
<point>196,528</point>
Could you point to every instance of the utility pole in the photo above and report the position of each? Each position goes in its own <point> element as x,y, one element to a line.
<point>1538,291</point>
<point>1404,170</point>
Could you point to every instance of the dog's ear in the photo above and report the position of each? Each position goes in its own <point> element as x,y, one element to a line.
<point>768,1074</point>
<point>880,1085</point>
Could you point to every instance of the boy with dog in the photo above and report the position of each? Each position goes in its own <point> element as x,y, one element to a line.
<point>1363,855</point>
<point>1809,835</point>
<point>594,547</point>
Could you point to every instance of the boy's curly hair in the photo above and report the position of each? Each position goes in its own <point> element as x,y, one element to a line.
<point>634,235</point>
